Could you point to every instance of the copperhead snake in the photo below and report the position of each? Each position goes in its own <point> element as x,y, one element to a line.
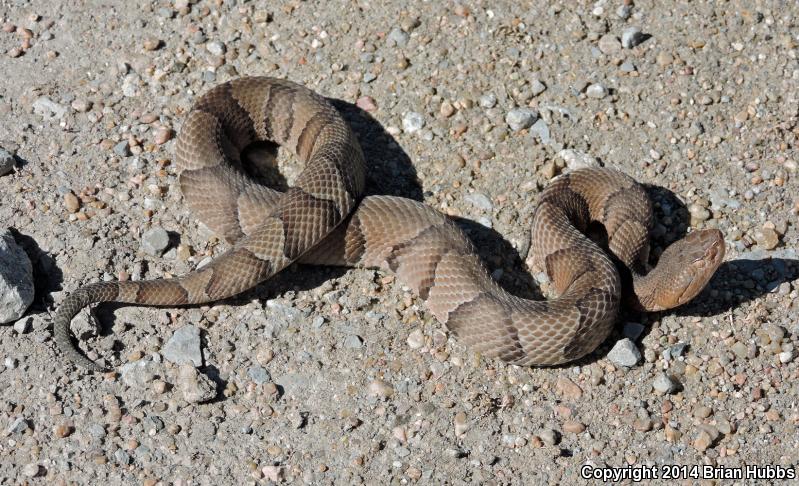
<point>323,219</point>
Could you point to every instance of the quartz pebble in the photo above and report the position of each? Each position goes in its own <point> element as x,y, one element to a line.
<point>596,91</point>
<point>412,122</point>
<point>216,48</point>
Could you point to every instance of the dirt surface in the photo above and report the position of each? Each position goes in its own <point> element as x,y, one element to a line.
<point>325,376</point>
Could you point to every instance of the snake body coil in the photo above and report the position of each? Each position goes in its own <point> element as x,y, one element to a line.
<point>323,219</point>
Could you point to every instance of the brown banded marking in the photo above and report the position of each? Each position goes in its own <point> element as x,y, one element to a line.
<point>280,95</point>
<point>306,141</point>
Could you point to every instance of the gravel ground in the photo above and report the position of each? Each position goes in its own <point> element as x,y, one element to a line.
<point>325,376</point>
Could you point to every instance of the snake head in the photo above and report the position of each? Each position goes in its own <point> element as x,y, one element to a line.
<point>684,269</point>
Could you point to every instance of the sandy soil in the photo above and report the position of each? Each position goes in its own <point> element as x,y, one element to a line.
<point>326,376</point>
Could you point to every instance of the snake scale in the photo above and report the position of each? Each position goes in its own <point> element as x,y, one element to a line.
<point>324,219</point>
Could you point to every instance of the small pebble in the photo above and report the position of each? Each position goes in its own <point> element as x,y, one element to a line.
<point>416,339</point>
<point>195,386</point>
<point>568,389</point>
<point>624,353</point>
<point>596,91</point>
<point>664,384</point>
<point>767,238</point>
<point>32,470</point>
<point>366,103</point>
<point>71,202</point>
<point>380,388</point>
<point>488,100</point>
<point>81,105</point>
<point>18,426</point>
<point>479,200</point>
<point>258,374</point>
<point>122,149</point>
<point>152,44</point>
<point>550,437</point>
<point>520,118</point>
<point>23,326</point>
<point>273,473</point>
<point>631,37</point>
<point>353,341</point>
<point>163,135</point>
<point>155,241</point>
<point>62,430</point>
<point>609,44</point>
<point>122,457</point>
<point>446,110</point>
<point>573,427</point>
<point>698,213</point>
<point>412,122</point>
<point>216,48</point>
<point>537,87</point>
<point>397,38</point>
<point>540,129</point>
<point>577,160</point>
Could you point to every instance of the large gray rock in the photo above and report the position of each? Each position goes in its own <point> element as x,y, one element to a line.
<point>16,279</point>
<point>7,161</point>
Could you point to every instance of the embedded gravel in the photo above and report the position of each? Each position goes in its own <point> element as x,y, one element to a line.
<point>328,376</point>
